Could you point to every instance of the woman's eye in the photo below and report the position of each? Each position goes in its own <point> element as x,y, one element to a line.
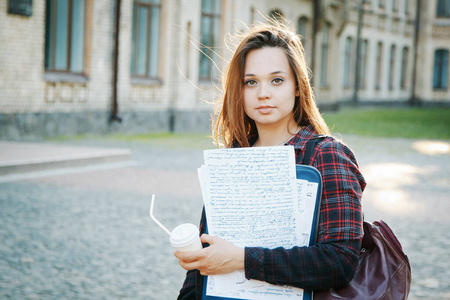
<point>277,80</point>
<point>250,82</point>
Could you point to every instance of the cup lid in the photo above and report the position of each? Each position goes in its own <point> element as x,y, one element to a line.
<point>184,235</point>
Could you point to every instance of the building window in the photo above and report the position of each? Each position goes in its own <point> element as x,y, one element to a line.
<point>276,14</point>
<point>394,5</point>
<point>443,9</point>
<point>145,38</point>
<point>379,65</point>
<point>347,61</point>
<point>380,3</point>
<point>325,48</point>
<point>406,7</point>
<point>404,68</point>
<point>210,35</point>
<point>391,68</point>
<point>65,36</point>
<point>252,14</point>
<point>363,64</point>
<point>302,29</point>
<point>440,72</point>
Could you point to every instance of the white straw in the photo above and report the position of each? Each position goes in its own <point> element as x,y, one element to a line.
<point>153,217</point>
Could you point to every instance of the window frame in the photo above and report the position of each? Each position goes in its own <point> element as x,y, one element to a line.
<point>391,77</point>
<point>325,53</point>
<point>379,66</point>
<point>443,9</point>
<point>440,69</point>
<point>276,14</point>
<point>404,68</point>
<point>348,51</point>
<point>211,63</point>
<point>303,24</point>
<point>137,77</point>
<point>363,64</point>
<point>52,72</point>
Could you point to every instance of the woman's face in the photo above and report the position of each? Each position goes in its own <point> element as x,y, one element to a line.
<point>269,88</point>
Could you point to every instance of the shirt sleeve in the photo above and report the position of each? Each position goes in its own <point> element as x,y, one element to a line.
<point>333,260</point>
<point>188,291</point>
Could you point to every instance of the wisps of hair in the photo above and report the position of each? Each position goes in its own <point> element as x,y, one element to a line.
<point>230,124</point>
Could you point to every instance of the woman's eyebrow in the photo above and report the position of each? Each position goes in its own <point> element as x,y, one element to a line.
<point>278,72</point>
<point>273,73</point>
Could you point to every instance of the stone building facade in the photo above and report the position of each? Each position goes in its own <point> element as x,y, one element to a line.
<point>141,66</point>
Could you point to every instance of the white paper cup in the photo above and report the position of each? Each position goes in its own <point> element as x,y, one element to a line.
<point>185,237</point>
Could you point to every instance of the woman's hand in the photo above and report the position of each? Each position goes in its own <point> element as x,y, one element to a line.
<point>220,257</point>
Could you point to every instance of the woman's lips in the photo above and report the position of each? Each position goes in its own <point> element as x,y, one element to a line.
<point>265,109</point>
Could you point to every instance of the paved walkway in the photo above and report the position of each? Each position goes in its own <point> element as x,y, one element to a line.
<point>19,157</point>
<point>81,230</point>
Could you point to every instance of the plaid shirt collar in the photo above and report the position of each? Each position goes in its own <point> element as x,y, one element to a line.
<point>302,137</point>
<point>298,140</point>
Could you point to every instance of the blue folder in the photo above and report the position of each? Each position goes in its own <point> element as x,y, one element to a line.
<point>310,174</point>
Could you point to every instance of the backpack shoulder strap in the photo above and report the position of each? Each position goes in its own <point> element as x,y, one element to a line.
<point>310,147</point>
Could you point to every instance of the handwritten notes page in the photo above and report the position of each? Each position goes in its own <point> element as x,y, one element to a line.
<point>252,198</point>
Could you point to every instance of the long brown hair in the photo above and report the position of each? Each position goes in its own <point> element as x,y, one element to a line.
<point>230,124</point>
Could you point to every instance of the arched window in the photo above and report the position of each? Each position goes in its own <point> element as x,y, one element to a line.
<point>276,14</point>
<point>363,64</point>
<point>252,14</point>
<point>325,49</point>
<point>303,29</point>
<point>379,65</point>
<point>347,61</point>
<point>440,72</point>
<point>392,68</point>
<point>210,37</point>
<point>404,68</point>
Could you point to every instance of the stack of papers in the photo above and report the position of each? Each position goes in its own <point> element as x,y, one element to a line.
<point>253,198</point>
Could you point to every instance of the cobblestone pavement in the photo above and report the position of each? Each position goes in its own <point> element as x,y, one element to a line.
<point>85,233</point>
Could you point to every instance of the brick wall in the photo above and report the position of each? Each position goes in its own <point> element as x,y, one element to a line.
<point>22,59</point>
<point>32,101</point>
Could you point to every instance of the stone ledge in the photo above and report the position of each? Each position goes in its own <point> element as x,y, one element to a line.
<point>17,157</point>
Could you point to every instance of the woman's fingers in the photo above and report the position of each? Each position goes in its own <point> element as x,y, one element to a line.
<point>219,258</point>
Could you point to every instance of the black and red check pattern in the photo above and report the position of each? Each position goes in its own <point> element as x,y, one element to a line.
<point>332,261</point>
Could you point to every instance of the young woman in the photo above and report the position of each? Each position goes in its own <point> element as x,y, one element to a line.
<point>268,101</point>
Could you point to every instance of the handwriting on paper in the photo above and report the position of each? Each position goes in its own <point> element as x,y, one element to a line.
<point>252,198</point>
<point>258,183</point>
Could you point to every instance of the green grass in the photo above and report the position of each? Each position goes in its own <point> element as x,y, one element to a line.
<point>407,123</point>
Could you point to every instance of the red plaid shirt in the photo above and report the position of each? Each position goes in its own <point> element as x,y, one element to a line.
<point>333,260</point>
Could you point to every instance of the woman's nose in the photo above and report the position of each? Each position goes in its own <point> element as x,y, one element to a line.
<point>263,92</point>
